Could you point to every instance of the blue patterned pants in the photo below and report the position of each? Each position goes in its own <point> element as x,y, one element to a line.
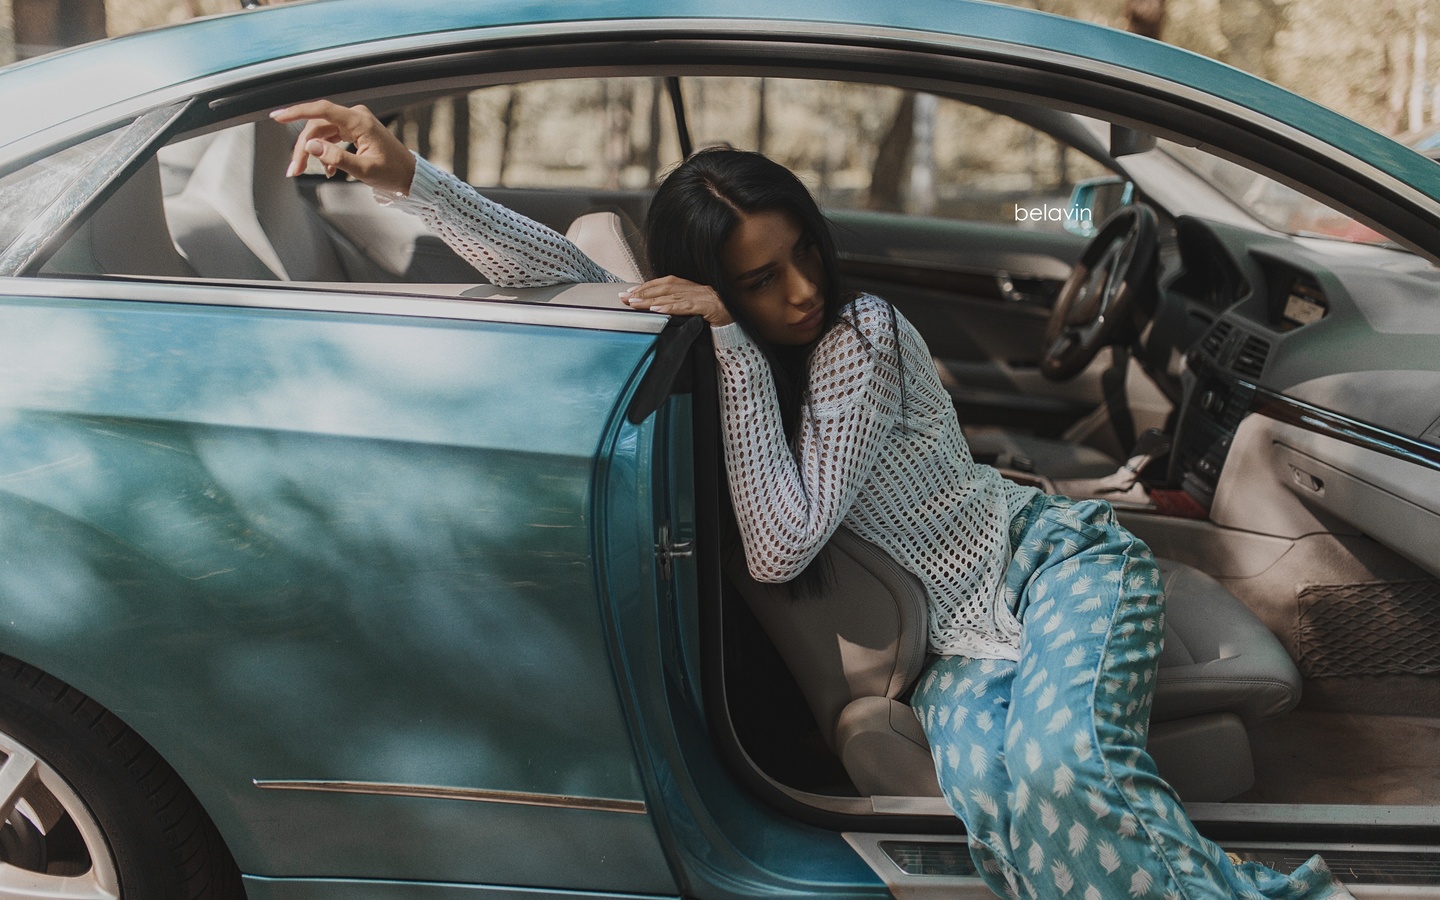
<point>1044,760</point>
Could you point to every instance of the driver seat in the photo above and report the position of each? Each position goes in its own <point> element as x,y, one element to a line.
<point>1055,458</point>
<point>856,650</point>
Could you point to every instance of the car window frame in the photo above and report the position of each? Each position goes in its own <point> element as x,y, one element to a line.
<point>947,65</point>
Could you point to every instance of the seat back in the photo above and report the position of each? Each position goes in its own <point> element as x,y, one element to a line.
<point>127,235</point>
<point>239,216</point>
<point>862,636</point>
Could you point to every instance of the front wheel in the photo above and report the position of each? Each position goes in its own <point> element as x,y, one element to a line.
<point>89,811</point>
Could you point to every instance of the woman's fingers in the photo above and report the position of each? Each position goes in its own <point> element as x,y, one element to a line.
<point>678,297</point>
<point>379,159</point>
<point>324,120</point>
<point>334,157</point>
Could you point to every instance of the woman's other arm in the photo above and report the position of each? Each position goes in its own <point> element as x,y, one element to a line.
<point>788,504</point>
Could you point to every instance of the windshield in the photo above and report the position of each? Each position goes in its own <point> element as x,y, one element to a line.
<point>1272,203</point>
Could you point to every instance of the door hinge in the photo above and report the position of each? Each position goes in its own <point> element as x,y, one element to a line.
<point>667,550</point>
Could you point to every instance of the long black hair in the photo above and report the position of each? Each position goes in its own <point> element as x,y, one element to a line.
<point>696,210</point>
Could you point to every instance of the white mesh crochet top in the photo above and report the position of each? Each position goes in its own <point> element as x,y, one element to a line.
<point>509,249</point>
<point>903,480</point>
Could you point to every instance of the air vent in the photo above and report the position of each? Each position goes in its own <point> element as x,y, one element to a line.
<point>1215,340</point>
<point>1250,361</point>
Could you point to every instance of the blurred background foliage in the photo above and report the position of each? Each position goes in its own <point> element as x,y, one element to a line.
<point>1371,60</point>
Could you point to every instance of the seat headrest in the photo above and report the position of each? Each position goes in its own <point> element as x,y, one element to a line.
<point>611,240</point>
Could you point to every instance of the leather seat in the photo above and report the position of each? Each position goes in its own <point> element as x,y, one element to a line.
<point>856,650</point>
<point>127,235</point>
<point>1051,457</point>
<point>612,241</point>
<point>239,216</point>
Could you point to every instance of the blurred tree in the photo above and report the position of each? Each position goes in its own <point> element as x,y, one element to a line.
<point>652,127</point>
<point>7,35</point>
<point>920,197</point>
<point>886,176</point>
<point>1250,28</point>
<point>1145,17</point>
<point>45,25</point>
<point>1362,59</point>
<point>619,99</point>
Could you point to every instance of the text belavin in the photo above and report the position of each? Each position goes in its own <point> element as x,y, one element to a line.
<point>1049,213</point>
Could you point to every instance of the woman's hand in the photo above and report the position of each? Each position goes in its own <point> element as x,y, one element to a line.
<point>678,297</point>
<point>379,159</point>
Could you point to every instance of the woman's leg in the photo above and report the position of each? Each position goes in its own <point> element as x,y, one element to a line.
<point>963,705</point>
<point>1063,801</point>
<point>1091,817</point>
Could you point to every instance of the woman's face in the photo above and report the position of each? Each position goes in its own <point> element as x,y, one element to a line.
<point>775,274</point>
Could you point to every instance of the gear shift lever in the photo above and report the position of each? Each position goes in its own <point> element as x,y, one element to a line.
<point>1123,485</point>
<point>1151,445</point>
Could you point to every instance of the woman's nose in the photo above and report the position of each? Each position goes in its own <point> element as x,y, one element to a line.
<point>800,289</point>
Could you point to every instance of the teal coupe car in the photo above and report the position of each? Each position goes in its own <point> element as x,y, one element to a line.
<point>329,571</point>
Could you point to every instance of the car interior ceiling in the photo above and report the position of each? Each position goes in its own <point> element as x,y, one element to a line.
<point>1356,734</point>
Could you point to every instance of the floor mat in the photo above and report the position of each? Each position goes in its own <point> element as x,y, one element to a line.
<point>1322,757</point>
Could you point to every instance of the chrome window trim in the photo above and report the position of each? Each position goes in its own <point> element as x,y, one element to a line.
<point>478,795</point>
<point>719,30</point>
<point>297,297</point>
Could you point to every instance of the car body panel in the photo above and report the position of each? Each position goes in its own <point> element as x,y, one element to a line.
<point>378,576</point>
<point>295,547</point>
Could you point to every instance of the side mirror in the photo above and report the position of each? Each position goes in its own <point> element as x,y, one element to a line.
<point>1094,200</point>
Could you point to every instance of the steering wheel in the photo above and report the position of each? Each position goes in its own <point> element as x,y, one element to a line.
<point>1114,270</point>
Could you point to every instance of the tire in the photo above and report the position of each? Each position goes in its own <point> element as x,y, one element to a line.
<point>85,803</point>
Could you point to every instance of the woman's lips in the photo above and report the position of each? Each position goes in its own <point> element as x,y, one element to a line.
<point>813,319</point>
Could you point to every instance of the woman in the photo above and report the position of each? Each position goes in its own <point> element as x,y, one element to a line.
<point>1046,615</point>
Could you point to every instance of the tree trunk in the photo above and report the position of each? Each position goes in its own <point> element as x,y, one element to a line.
<point>886,177</point>
<point>507,124</point>
<point>921,195</point>
<point>7,35</point>
<point>45,25</point>
<point>652,146</point>
<point>1397,82</point>
<point>1145,17</point>
<point>1250,27</point>
<point>460,128</point>
<point>1418,71</point>
<point>619,103</point>
<point>761,126</point>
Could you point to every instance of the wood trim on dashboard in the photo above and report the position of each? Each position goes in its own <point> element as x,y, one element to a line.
<point>1342,428</point>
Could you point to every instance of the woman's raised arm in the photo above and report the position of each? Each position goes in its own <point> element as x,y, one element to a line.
<point>509,249</point>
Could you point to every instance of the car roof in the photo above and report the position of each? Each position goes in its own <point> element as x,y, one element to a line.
<point>38,94</point>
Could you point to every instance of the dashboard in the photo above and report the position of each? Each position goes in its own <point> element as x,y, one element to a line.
<point>1339,343</point>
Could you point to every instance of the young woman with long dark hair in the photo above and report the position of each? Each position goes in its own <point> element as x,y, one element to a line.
<point>1045,615</point>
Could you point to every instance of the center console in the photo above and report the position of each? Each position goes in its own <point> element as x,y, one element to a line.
<point>1207,428</point>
